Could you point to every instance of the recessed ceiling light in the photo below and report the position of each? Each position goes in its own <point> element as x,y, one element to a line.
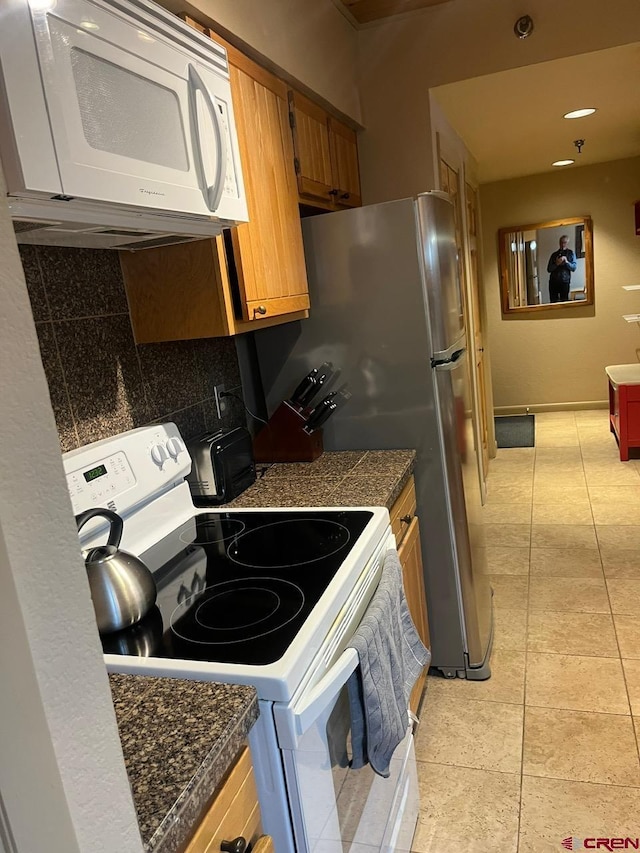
<point>563,162</point>
<point>89,25</point>
<point>587,111</point>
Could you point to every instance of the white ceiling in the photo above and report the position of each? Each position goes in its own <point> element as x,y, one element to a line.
<point>512,122</point>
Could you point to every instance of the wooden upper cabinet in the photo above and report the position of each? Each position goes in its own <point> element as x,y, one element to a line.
<point>268,250</point>
<point>326,152</point>
<point>344,163</point>
<point>310,125</point>
<point>255,275</point>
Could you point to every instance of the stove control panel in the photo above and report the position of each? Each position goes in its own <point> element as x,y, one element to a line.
<point>166,451</point>
<point>126,470</point>
<point>101,483</point>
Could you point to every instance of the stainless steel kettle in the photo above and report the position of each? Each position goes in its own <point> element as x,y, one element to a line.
<point>122,587</point>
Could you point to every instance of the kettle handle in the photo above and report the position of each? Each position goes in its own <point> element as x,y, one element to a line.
<point>117,524</point>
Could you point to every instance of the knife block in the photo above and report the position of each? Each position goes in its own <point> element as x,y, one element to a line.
<point>283,438</point>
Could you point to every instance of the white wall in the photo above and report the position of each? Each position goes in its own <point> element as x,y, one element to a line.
<point>62,775</point>
<point>405,56</point>
<point>311,41</point>
<point>555,358</point>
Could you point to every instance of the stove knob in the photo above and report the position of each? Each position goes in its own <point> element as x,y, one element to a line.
<point>159,455</point>
<point>174,447</point>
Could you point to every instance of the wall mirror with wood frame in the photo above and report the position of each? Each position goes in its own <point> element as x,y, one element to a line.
<point>546,266</point>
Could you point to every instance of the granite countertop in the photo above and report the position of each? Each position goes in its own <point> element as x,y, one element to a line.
<point>179,738</point>
<point>337,478</point>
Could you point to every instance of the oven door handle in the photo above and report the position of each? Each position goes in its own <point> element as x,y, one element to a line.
<point>292,721</point>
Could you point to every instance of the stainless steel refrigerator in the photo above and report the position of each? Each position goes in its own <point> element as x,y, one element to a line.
<point>387,308</point>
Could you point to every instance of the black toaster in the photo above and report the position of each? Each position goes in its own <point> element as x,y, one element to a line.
<point>222,468</point>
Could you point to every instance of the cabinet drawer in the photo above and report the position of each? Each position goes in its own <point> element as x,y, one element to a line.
<point>234,811</point>
<point>413,581</point>
<point>403,510</point>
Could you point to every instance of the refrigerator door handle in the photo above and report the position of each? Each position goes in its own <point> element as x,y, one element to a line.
<point>448,363</point>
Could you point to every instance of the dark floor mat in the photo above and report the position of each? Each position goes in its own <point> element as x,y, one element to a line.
<point>516,431</point>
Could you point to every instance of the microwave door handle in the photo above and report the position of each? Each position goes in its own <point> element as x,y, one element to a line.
<point>213,193</point>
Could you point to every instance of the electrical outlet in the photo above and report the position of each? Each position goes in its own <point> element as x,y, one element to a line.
<point>221,402</point>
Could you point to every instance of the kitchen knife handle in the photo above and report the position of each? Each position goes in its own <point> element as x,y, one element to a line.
<point>321,405</point>
<point>305,398</point>
<point>317,385</point>
<point>323,416</point>
<point>303,388</point>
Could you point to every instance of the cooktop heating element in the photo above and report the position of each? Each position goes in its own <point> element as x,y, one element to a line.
<point>238,587</point>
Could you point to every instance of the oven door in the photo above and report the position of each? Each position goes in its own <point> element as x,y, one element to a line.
<point>136,119</point>
<point>336,809</point>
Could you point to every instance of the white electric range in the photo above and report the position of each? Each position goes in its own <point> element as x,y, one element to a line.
<point>267,597</point>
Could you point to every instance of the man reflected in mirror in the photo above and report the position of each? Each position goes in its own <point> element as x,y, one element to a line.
<point>561,264</point>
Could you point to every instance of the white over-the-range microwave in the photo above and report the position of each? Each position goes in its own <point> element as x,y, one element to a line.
<point>116,125</point>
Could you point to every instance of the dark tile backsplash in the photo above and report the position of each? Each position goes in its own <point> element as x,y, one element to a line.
<point>100,382</point>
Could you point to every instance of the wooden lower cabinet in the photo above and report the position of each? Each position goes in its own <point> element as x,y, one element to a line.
<point>411,559</point>
<point>406,527</point>
<point>233,813</point>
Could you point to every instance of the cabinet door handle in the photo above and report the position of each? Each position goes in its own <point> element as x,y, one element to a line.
<point>345,195</point>
<point>407,519</point>
<point>333,192</point>
<point>238,845</point>
<point>259,310</point>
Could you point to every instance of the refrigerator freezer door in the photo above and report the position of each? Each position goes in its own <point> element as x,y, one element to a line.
<point>443,295</point>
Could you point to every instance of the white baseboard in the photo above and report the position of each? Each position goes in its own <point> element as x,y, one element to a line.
<point>551,407</point>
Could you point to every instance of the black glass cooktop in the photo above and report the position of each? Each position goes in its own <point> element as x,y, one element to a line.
<point>237,587</point>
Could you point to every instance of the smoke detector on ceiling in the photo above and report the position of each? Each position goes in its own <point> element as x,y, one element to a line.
<point>523,27</point>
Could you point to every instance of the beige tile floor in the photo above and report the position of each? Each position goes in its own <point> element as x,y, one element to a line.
<point>548,747</point>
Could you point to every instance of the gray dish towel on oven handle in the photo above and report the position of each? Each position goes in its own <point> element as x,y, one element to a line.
<point>391,656</point>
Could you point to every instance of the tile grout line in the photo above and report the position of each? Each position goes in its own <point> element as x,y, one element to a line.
<point>522,823</point>
<point>610,614</point>
<point>581,710</point>
<point>526,651</point>
<point>615,629</point>
<point>468,767</point>
<point>585,782</point>
<point>530,775</point>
